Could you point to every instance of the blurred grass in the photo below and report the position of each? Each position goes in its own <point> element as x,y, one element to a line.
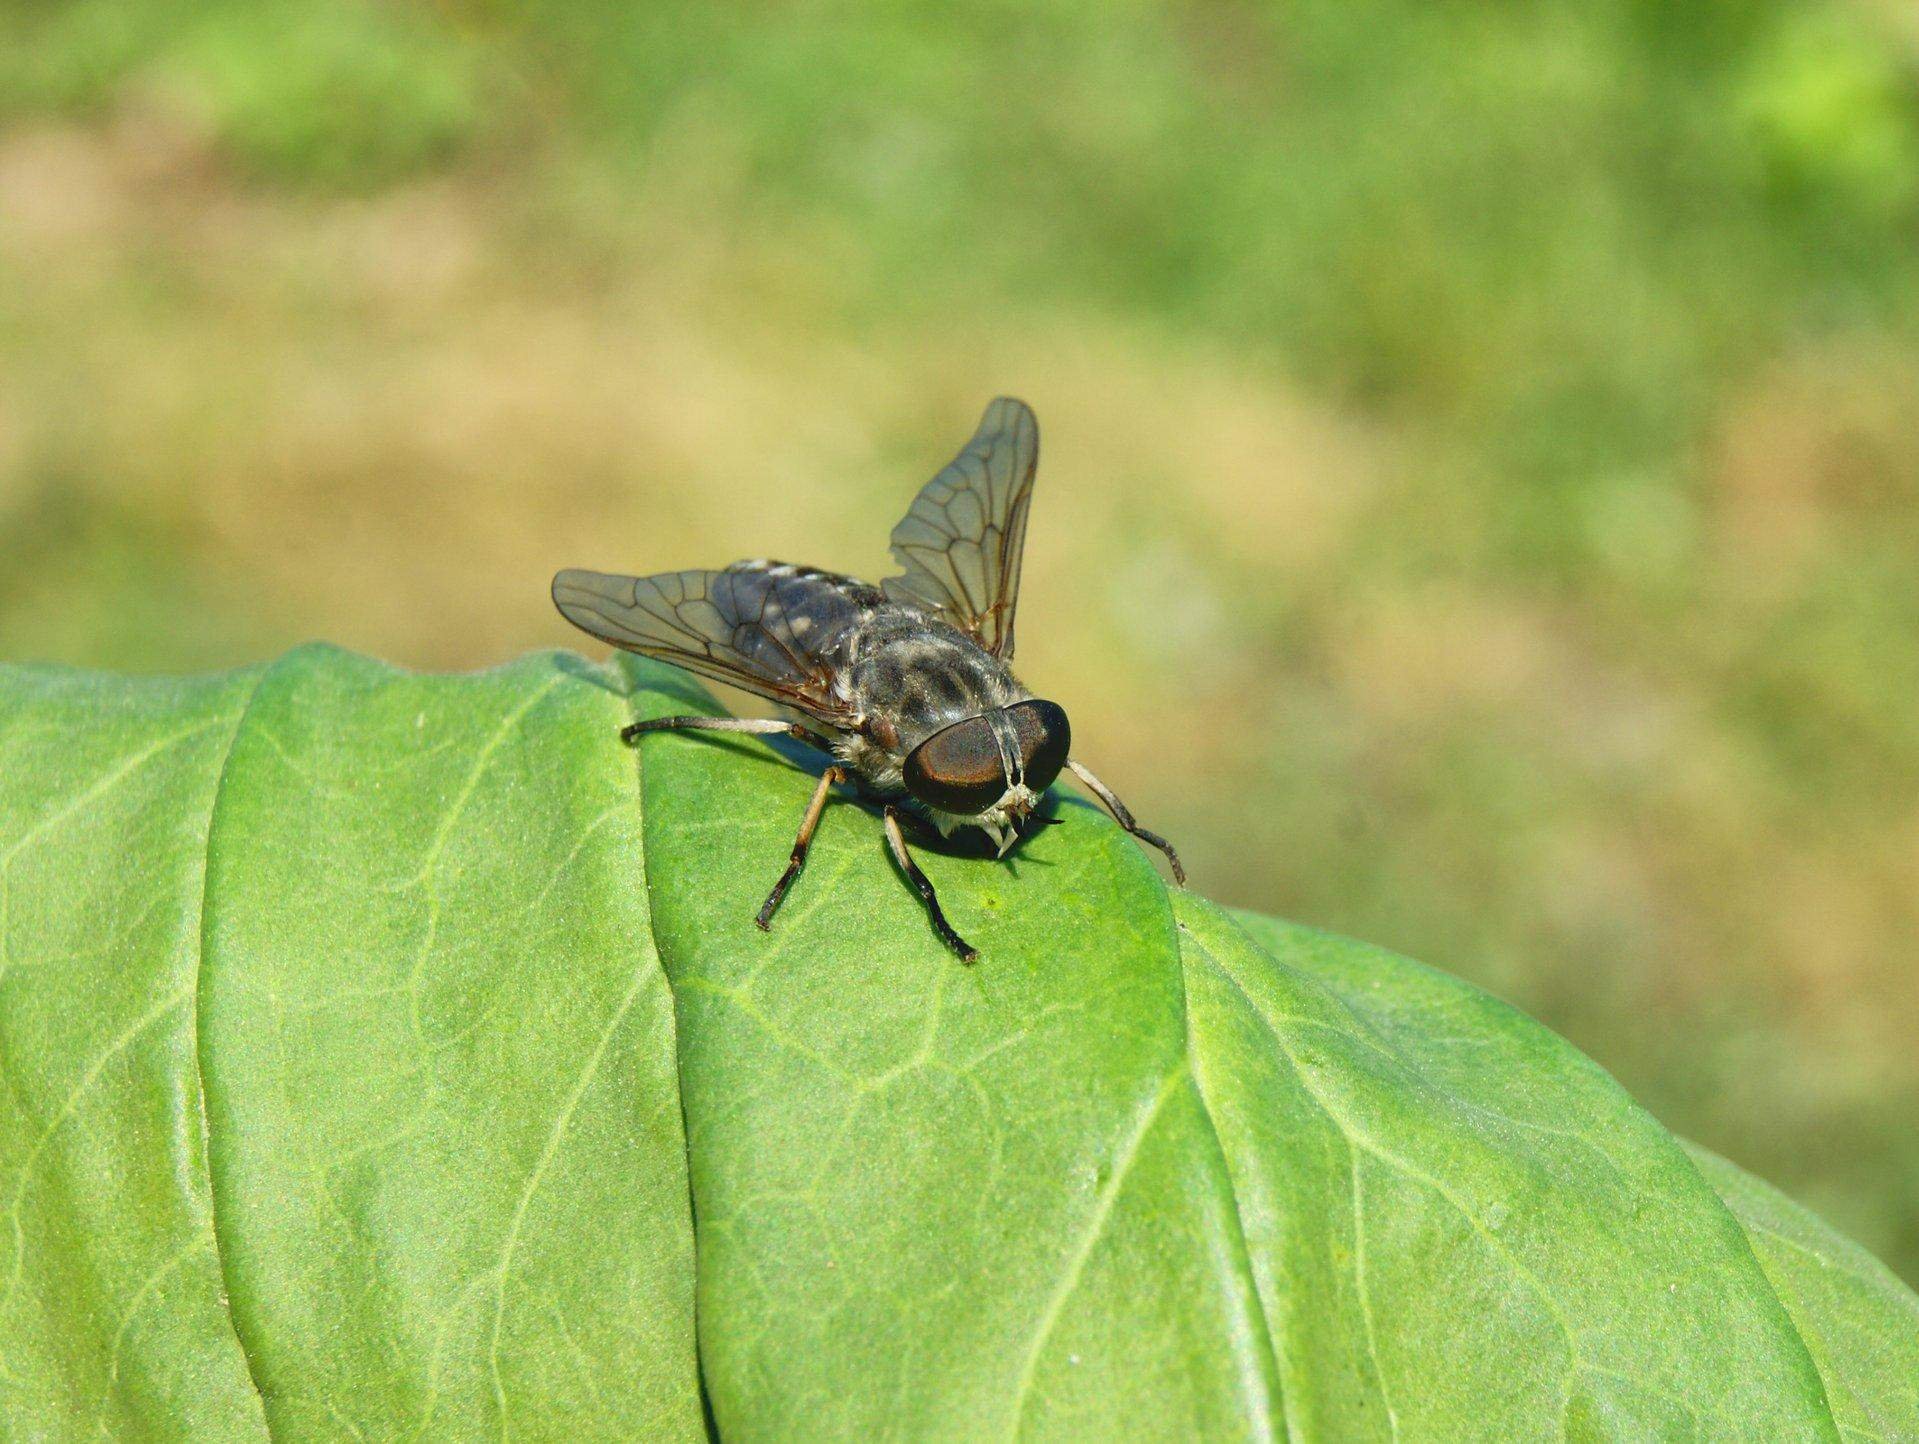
<point>1480,507</point>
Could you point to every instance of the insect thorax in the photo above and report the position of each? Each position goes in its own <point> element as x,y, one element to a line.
<point>921,675</point>
<point>904,670</point>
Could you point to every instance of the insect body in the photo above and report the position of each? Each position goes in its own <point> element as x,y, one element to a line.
<point>909,683</point>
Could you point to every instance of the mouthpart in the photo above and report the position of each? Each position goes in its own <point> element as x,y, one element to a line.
<point>1002,820</point>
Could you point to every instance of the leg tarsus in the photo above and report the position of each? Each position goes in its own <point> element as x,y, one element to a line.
<point>896,840</point>
<point>1153,839</point>
<point>1124,817</point>
<point>764,919</point>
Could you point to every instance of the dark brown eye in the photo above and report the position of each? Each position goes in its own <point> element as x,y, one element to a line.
<point>1045,737</point>
<point>957,769</point>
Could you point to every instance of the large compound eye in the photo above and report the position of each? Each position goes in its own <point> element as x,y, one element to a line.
<point>1045,737</point>
<point>957,769</point>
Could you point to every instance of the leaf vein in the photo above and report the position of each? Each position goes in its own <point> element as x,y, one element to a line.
<point>547,1154</point>
<point>1364,1291</point>
<point>1082,1251</point>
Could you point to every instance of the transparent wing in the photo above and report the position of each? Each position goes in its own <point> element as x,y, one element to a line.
<point>961,541</point>
<point>735,626</point>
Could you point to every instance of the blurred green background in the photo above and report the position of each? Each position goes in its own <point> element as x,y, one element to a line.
<point>1479,509</point>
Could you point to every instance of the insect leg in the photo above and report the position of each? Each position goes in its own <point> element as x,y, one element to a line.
<point>1124,818</point>
<point>896,840</point>
<point>800,844</point>
<point>764,726</point>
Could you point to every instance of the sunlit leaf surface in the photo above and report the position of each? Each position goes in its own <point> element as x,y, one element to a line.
<point>389,1056</point>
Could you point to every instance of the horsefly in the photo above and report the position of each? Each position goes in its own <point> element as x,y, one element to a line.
<point>907,685</point>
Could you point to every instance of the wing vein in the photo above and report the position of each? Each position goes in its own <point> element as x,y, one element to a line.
<point>961,541</point>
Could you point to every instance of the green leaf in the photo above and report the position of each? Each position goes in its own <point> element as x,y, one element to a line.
<point>368,952</point>
<point>1859,1322</point>
<point>389,1056</point>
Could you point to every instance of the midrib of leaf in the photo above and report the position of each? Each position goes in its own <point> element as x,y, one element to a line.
<point>1814,1374</point>
<point>1746,1198</point>
<point>628,673</point>
<point>1260,1314</point>
<point>199,931</point>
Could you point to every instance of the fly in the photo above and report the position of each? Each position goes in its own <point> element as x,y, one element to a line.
<point>908,684</point>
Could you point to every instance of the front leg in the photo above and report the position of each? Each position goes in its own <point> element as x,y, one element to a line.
<point>761,726</point>
<point>896,840</point>
<point>1125,818</point>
